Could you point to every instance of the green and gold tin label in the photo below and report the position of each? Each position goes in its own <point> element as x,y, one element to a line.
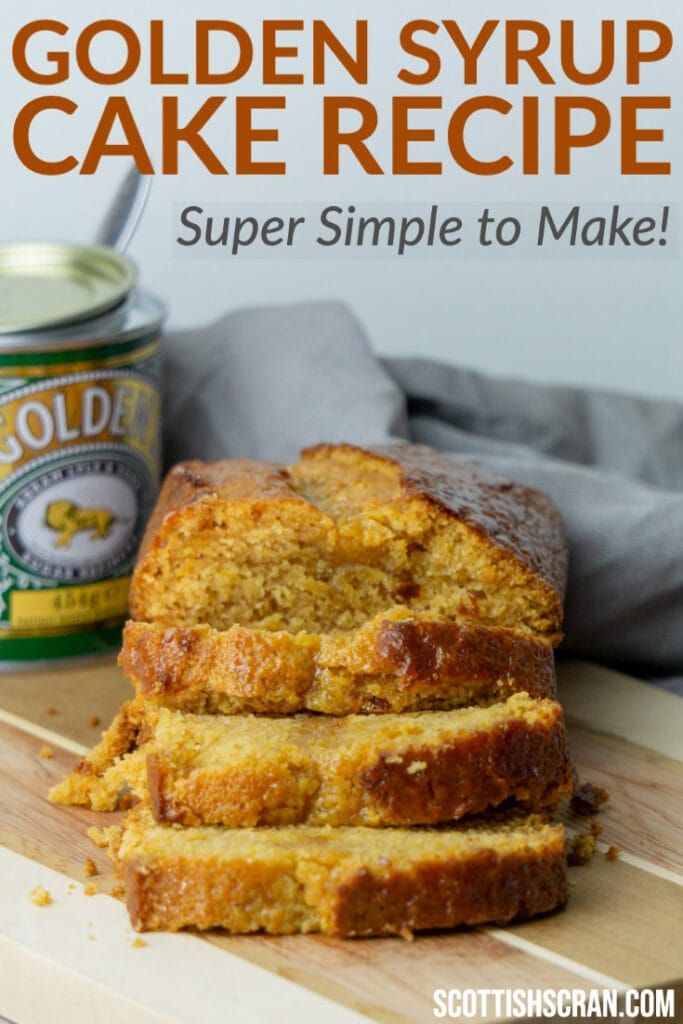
<point>79,473</point>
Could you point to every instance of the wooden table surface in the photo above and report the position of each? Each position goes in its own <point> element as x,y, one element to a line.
<point>76,960</point>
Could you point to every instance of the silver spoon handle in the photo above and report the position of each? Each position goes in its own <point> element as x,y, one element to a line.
<point>123,216</point>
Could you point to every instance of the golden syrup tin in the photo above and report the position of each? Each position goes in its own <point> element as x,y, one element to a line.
<point>80,440</point>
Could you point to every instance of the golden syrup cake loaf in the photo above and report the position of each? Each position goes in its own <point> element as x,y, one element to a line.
<point>374,770</point>
<point>344,716</point>
<point>396,662</point>
<point>344,535</point>
<point>341,881</point>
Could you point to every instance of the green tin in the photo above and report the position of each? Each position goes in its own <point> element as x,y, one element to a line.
<point>80,436</point>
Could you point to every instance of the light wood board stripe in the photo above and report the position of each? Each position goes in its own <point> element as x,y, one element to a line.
<point>645,865</point>
<point>637,862</point>
<point>175,977</point>
<point>41,733</point>
<point>566,963</point>
<point>35,989</point>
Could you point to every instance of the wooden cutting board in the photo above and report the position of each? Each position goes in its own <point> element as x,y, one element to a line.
<point>78,959</point>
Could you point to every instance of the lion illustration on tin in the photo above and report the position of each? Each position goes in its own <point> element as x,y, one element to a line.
<point>67,519</point>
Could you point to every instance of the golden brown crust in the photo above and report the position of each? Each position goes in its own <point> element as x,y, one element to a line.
<point>352,882</point>
<point>479,889</point>
<point>464,652</point>
<point>472,774</point>
<point>521,520</point>
<point>197,668</point>
<point>387,666</point>
<point>416,770</point>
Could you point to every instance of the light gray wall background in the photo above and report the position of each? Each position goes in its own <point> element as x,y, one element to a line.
<point>611,323</point>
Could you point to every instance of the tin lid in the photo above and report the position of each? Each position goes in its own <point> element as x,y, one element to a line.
<point>138,316</point>
<point>48,284</point>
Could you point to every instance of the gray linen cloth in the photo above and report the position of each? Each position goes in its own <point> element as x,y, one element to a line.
<point>263,383</point>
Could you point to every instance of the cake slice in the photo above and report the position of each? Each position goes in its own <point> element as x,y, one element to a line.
<point>396,662</point>
<point>344,881</point>
<point>410,769</point>
<point>344,535</point>
<point>420,768</point>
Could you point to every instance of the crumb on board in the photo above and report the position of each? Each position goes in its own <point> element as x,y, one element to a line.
<point>106,838</point>
<point>581,849</point>
<point>90,889</point>
<point>118,891</point>
<point>46,752</point>
<point>612,853</point>
<point>90,867</point>
<point>40,897</point>
<point>139,943</point>
<point>51,711</point>
<point>596,829</point>
<point>588,799</point>
<point>94,721</point>
<point>98,836</point>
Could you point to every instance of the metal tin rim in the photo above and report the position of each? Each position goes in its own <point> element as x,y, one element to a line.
<point>139,313</point>
<point>111,276</point>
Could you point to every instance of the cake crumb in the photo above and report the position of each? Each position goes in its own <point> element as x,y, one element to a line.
<point>118,891</point>
<point>588,799</point>
<point>94,721</point>
<point>40,897</point>
<point>98,836</point>
<point>90,889</point>
<point>416,766</point>
<point>90,867</point>
<point>51,711</point>
<point>581,849</point>
<point>139,943</point>
<point>596,829</point>
<point>106,838</point>
<point>612,853</point>
<point>46,752</point>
